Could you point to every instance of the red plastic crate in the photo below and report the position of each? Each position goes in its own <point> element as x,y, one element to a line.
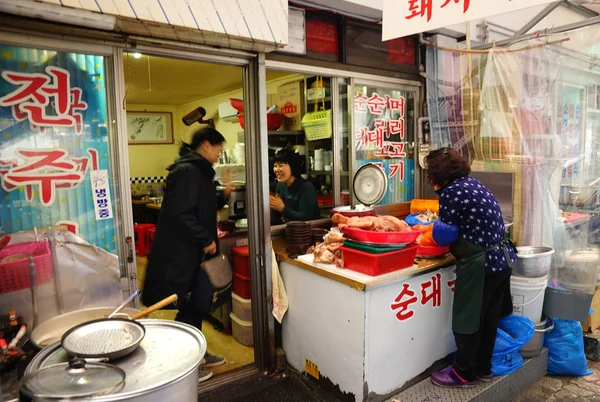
<point>241,262</point>
<point>241,286</point>
<point>379,264</point>
<point>15,275</point>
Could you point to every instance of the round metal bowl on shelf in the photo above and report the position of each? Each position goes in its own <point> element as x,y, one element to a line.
<point>533,262</point>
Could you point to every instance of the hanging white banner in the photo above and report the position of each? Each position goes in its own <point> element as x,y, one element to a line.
<point>407,17</point>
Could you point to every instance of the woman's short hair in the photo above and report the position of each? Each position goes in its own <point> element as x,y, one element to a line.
<point>292,158</point>
<point>446,165</point>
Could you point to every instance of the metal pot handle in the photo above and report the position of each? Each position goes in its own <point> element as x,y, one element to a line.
<point>548,329</point>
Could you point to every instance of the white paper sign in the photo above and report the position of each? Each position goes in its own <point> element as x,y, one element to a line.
<point>407,17</point>
<point>101,193</point>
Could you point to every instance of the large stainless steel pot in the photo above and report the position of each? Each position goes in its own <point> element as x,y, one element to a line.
<point>533,262</point>
<point>52,330</point>
<point>163,368</point>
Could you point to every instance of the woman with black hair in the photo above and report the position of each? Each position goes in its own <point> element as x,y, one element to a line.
<point>186,234</point>
<point>295,199</point>
<point>471,222</point>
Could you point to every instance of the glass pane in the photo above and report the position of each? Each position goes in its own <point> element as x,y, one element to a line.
<point>343,120</point>
<point>55,161</point>
<point>383,124</point>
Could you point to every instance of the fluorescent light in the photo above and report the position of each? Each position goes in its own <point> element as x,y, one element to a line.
<point>56,13</point>
<point>137,55</point>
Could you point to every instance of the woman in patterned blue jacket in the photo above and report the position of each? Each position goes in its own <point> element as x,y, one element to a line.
<point>471,222</point>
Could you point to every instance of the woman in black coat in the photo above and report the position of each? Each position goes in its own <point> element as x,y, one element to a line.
<point>186,234</point>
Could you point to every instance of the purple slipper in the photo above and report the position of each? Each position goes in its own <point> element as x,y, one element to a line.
<point>449,379</point>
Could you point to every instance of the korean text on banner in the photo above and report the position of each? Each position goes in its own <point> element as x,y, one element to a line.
<point>407,17</point>
<point>101,193</point>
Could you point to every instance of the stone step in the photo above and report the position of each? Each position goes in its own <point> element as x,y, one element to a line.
<point>500,389</point>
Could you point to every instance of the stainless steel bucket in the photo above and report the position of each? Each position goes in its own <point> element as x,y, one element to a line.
<point>534,347</point>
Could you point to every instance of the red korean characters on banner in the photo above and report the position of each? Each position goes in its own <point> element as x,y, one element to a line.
<point>424,8</point>
<point>36,92</point>
<point>46,169</point>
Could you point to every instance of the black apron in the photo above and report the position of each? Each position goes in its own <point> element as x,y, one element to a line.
<point>470,280</point>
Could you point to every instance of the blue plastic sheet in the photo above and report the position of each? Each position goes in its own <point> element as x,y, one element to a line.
<point>566,354</point>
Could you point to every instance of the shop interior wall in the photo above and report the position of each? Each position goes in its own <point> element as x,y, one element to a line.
<point>152,160</point>
<point>230,130</point>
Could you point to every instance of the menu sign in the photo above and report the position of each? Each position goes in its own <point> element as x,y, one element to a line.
<point>383,136</point>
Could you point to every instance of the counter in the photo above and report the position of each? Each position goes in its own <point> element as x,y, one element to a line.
<point>365,337</point>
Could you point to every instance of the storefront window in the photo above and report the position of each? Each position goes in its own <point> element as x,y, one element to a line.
<point>55,158</point>
<point>383,124</point>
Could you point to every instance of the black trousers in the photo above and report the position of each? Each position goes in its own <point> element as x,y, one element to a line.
<point>474,351</point>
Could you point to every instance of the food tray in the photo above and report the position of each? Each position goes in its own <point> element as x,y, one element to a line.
<point>14,275</point>
<point>387,238</point>
<point>432,251</point>
<point>378,264</point>
<point>371,249</point>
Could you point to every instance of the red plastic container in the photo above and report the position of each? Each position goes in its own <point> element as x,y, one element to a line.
<point>14,275</point>
<point>379,264</point>
<point>274,121</point>
<point>241,262</point>
<point>370,236</point>
<point>241,286</point>
<point>432,251</point>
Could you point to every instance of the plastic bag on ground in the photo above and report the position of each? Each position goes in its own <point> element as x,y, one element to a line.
<point>566,354</point>
<point>513,333</point>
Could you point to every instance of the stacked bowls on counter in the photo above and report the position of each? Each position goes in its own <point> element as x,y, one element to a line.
<point>298,237</point>
<point>528,286</point>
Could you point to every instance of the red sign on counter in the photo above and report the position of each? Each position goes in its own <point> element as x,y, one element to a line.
<point>430,294</point>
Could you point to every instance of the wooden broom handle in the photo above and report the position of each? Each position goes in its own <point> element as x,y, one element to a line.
<point>154,307</point>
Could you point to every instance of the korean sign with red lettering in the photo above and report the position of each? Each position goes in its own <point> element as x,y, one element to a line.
<point>408,17</point>
<point>381,137</point>
<point>423,292</point>
<point>53,141</point>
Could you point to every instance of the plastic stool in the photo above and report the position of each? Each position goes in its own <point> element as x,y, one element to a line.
<point>141,245</point>
<point>149,238</point>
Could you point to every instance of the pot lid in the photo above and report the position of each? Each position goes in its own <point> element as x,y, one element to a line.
<point>76,379</point>
<point>370,184</point>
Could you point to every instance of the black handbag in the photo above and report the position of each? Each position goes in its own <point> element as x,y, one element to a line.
<point>204,296</point>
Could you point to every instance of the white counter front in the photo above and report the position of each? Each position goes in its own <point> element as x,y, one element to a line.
<point>365,337</point>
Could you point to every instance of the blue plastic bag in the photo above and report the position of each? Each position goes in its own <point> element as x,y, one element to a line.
<point>566,354</point>
<point>513,332</point>
<point>412,220</point>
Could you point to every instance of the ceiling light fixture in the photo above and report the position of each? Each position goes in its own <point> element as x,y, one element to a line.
<point>137,55</point>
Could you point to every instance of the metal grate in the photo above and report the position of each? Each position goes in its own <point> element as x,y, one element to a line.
<point>501,389</point>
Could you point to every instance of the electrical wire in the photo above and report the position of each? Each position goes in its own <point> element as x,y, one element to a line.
<point>307,5</point>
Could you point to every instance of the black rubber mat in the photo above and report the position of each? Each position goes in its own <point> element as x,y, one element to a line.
<point>288,389</point>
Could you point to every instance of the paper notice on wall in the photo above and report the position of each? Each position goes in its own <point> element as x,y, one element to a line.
<point>101,194</point>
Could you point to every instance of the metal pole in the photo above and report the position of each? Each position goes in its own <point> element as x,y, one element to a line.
<point>538,18</point>
<point>563,28</point>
